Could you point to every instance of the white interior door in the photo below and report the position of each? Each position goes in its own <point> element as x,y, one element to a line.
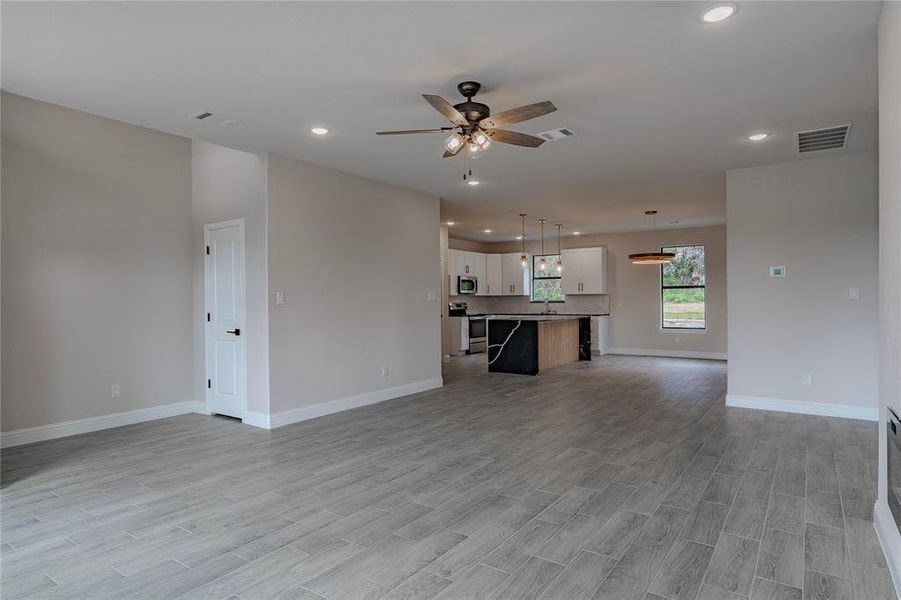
<point>224,275</point>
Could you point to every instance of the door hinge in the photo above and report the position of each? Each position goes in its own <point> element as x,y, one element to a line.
<point>208,317</point>
<point>208,250</point>
<point>209,383</point>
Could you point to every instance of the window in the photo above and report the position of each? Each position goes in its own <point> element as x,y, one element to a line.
<point>683,289</point>
<point>546,282</point>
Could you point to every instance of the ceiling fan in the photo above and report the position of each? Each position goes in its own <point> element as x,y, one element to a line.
<point>473,125</point>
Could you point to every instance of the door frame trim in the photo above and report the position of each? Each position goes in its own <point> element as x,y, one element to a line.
<point>207,228</point>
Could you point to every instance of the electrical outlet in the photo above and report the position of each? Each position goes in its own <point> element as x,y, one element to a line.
<point>384,370</point>
<point>806,379</point>
<point>280,297</point>
<point>677,339</point>
<point>115,391</point>
<point>431,297</point>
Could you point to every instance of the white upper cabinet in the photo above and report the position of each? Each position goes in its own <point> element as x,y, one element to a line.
<point>571,277</point>
<point>476,264</point>
<point>498,274</point>
<point>494,278</point>
<point>515,276</point>
<point>584,271</point>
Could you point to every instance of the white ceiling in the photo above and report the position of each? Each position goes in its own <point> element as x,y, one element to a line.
<point>660,103</point>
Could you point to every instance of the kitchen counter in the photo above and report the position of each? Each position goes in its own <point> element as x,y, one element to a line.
<point>534,317</point>
<point>530,344</point>
<point>497,314</point>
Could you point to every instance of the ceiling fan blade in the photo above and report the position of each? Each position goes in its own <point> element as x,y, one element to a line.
<point>408,131</point>
<point>446,108</point>
<point>514,137</point>
<point>449,153</point>
<point>520,114</point>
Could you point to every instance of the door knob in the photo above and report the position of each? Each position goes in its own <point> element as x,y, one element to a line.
<point>234,331</point>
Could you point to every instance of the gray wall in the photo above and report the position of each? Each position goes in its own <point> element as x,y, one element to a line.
<point>889,247</point>
<point>634,290</point>
<point>818,218</point>
<point>230,184</point>
<point>96,251</point>
<point>358,260</point>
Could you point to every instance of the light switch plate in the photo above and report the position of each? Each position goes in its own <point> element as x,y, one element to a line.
<point>280,297</point>
<point>854,293</point>
<point>115,391</point>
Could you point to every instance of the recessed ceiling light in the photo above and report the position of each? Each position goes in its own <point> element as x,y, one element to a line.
<point>718,12</point>
<point>450,223</point>
<point>577,233</point>
<point>487,231</point>
<point>473,182</point>
<point>519,237</point>
<point>319,130</point>
<point>758,136</point>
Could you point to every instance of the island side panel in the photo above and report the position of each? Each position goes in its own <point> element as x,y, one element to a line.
<point>558,343</point>
<point>513,346</point>
<point>585,338</point>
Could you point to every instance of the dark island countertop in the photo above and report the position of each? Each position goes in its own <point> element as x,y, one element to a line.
<point>527,315</point>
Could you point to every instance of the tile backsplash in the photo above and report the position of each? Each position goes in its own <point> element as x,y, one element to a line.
<point>521,304</point>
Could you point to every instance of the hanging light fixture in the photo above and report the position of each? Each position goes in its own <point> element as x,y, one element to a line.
<point>559,251</point>
<point>542,262</point>
<point>523,259</point>
<point>652,258</point>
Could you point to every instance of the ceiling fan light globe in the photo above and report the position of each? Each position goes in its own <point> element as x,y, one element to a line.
<point>479,137</point>
<point>474,150</point>
<point>453,142</point>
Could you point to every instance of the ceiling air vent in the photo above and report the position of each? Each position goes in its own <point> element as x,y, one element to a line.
<point>202,115</point>
<point>556,134</point>
<point>831,138</point>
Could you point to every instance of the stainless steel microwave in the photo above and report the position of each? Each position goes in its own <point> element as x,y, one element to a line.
<point>467,284</point>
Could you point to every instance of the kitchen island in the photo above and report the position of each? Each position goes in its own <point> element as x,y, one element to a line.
<point>530,344</point>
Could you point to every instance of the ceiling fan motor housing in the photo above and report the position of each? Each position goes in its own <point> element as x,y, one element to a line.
<point>473,111</point>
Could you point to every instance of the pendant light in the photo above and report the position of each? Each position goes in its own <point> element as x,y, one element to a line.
<point>652,258</point>
<point>559,251</point>
<point>523,259</point>
<point>542,262</point>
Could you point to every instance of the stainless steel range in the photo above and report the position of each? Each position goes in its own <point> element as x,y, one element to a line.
<point>474,334</point>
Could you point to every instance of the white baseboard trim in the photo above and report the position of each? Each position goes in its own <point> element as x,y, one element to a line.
<point>668,353</point>
<point>326,408</point>
<point>890,539</point>
<point>41,433</point>
<point>845,411</point>
<point>256,419</point>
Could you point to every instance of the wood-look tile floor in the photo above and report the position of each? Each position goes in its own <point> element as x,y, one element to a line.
<point>616,479</point>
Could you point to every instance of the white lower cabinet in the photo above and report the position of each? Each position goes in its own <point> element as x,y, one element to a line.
<point>599,335</point>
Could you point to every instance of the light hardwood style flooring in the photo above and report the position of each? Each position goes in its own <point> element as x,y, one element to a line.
<point>620,478</point>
